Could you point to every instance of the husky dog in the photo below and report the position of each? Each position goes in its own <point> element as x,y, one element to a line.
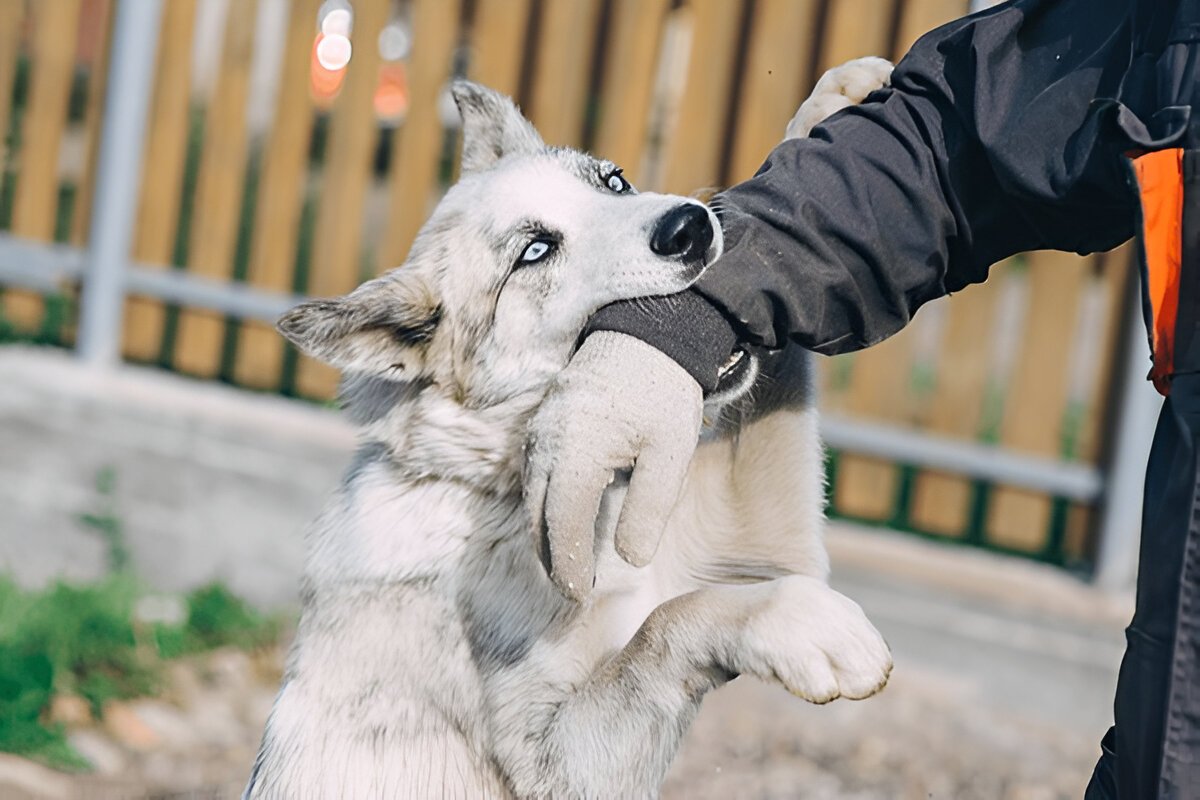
<point>434,658</point>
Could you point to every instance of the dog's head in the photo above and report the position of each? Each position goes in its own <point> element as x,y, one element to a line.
<point>503,276</point>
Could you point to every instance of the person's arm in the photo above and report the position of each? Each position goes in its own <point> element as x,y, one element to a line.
<point>989,142</point>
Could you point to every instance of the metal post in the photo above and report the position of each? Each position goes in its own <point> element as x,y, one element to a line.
<point>1136,415</point>
<point>118,173</point>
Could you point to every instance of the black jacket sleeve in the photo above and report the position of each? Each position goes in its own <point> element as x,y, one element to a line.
<point>999,135</point>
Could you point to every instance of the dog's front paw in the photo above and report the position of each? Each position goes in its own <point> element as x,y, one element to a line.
<point>816,642</point>
<point>840,87</point>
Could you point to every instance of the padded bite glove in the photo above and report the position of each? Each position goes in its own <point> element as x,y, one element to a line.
<point>620,403</point>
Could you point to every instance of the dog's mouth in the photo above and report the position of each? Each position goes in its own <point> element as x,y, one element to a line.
<point>734,380</point>
<point>733,372</point>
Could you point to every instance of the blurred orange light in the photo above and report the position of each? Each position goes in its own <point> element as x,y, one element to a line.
<point>391,95</point>
<point>325,82</point>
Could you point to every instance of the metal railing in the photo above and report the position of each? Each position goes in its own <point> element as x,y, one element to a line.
<point>106,274</point>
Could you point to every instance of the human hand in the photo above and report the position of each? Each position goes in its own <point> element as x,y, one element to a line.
<point>840,87</point>
<point>620,403</point>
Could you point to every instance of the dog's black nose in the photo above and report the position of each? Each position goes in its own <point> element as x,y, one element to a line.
<point>684,232</point>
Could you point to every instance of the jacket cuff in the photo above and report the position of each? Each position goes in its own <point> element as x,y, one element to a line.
<point>686,327</point>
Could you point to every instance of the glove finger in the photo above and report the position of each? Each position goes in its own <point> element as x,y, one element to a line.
<point>654,489</point>
<point>537,480</point>
<point>572,503</point>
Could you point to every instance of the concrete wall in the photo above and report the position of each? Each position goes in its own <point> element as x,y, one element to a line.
<point>210,481</point>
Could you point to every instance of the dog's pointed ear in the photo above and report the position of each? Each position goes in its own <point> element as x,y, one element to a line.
<point>381,328</point>
<point>492,127</point>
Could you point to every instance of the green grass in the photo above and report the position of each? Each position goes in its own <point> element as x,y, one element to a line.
<point>216,617</point>
<point>105,522</point>
<point>88,640</point>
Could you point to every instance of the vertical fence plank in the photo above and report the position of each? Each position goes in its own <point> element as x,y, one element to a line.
<point>162,173</point>
<point>693,152</point>
<point>347,171</point>
<point>879,378</point>
<point>852,28</point>
<point>55,29</point>
<point>1115,281</point>
<point>498,43</point>
<point>498,48</point>
<point>627,90</point>
<point>945,509</point>
<point>855,28</point>
<point>276,231</point>
<point>97,81</point>
<point>563,69</point>
<point>1114,276</point>
<point>12,16</point>
<point>918,17</point>
<point>941,502</point>
<point>219,188</point>
<point>1035,405</point>
<point>879,390</point>
<point>417,144</point>
<point>779,56</point>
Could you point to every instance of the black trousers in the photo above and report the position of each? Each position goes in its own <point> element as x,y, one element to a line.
<point>1153,750</point>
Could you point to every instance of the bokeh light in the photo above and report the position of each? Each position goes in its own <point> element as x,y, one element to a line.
<point>333,51</point>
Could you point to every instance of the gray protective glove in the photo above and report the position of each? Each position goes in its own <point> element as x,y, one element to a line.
<point>620,403</point>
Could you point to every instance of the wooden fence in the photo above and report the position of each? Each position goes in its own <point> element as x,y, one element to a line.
<point>247,176</point>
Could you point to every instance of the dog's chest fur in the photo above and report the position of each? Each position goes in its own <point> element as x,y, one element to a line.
<point>429,630</point>
<point>416,591</point>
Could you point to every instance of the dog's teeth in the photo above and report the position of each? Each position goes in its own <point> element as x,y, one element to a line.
<point>730,362</point>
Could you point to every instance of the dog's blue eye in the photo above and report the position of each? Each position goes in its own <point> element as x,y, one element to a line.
<point>535,251</point>
<point>615,182</point>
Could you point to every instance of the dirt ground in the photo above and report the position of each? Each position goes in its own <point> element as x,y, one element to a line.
<point>919,739</point>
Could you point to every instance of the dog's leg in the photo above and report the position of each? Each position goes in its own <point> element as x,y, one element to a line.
<point>616,734</point>
<point>840,87</point>
<point>777,470</point>
<point>778,475</point>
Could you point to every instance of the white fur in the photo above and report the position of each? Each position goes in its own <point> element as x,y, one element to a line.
<point>434,658</point>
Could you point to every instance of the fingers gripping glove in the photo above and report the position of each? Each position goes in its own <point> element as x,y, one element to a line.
<point>620,403</point>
